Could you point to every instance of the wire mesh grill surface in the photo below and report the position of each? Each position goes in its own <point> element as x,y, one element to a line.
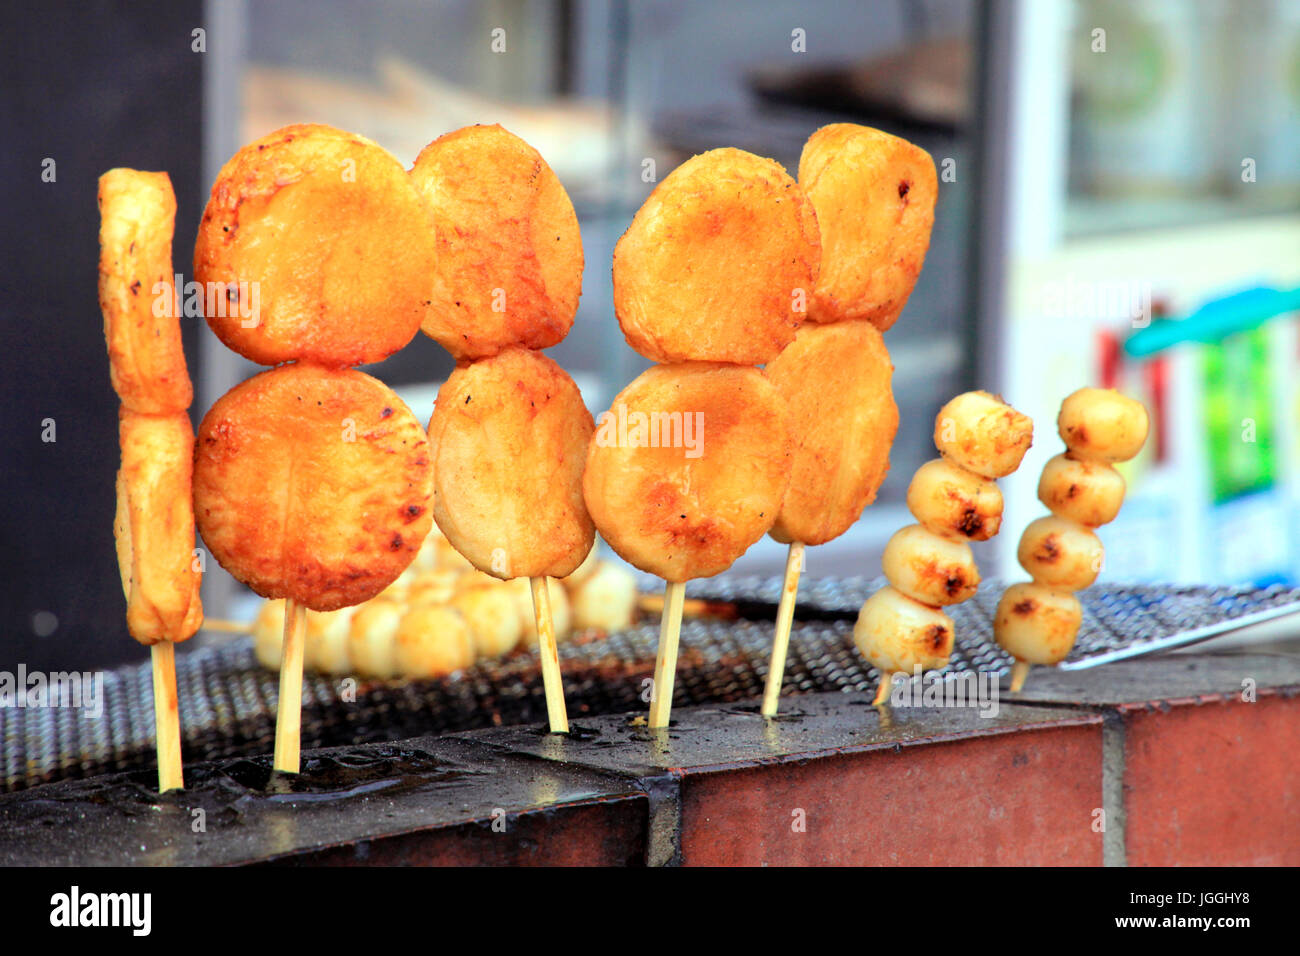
<point>227,700</point>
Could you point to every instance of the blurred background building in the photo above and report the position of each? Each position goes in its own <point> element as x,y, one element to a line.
<point>1119,205</point>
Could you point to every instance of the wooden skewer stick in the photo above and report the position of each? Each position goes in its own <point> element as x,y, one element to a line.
<point>781,641</point>
<point>550,654</point>
<point>226,627</point>
<point>167,718</point>
<point>1019,671</point>
<point>288,714</point>
<point>670,628</point>
<point>886,685</point>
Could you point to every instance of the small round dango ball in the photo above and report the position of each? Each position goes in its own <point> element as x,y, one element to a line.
<point>606,600</point>
<point>1089,492</point>
<point>1037,624</point>
<point>268,633</point>
<point>432,641</point>
<point>897,634</point>
<point>1060,554</point>
<point>325,649</point>
<point>929,568</point>
<point>438,586</point>
<point>983,434</point>
<point>954,502</point>
<point>1102,425</point>
<point>372,639</point>
<point>493,618</point>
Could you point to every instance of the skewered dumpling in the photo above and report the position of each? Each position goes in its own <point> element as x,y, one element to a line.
<point>1060,554</point>
<point>432,641</point>
<point>326,641</point>
<point>492,615</point>
<point>1037,624</point>
<point>719,263</point>
<point>929,568</point>
<point>983,434</point>
<point>898,634</point>
<point>606,600</point>
<point>951,501</point>
<point>1089,492</point>
<point>1100,424</point>
<point>372,638</point>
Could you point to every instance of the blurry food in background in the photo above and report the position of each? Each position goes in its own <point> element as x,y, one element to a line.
<point>922,84</point>
<point>448,615</point>
<point>1178,101</point>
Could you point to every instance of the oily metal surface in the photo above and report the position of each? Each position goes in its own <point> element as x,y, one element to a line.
<point>227,701</point>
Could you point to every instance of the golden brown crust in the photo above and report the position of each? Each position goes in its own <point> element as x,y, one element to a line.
<point>509,267</point>
<point>719,264</point>
<point>684,510</point>
<point>137,213</point>
<point>313,484</point>
<point>898,634</point>
<point>338,241</point>
<point>509,436</point>
<point>154,527</point>
<point>983,434</point>
<point>874,195</point>
<point>949,500</point>
<point>835,383</point>
<point>1037,624</point>
<point>929,567</point>
<point>1089,492</point>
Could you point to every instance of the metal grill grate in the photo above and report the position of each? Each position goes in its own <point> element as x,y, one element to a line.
<point>227,700</point>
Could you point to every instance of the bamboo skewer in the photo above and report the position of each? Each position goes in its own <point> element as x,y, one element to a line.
<point>882,693</point>
<point>1019,671</point>
<point>288,715</point>
<point>550,656</point>
<point>781,640</point>
<point>661,700</point>
<point>167,719</point>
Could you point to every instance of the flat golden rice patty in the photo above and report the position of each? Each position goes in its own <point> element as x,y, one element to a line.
<point>689,468</point>
<point>509,267</point>
<point>313,484</point>
<point>719,263</point>
<point>509,436</point>
<point>874,194</point>
<point>333,245</point>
